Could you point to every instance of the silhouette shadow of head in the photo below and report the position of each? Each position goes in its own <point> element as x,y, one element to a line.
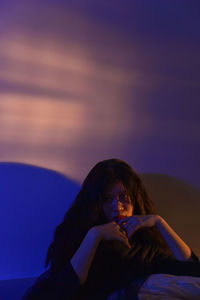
<point>179,203</point>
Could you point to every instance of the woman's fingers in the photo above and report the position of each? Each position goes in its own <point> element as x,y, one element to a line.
<point>124,240</point>
<point>124,237</point>
<point>132,224</point>
<point>119,233</point>
<point>131,227</point>
<point>124,220</point>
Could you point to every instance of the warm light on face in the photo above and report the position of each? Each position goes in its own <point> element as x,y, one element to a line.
<point>117,203</point>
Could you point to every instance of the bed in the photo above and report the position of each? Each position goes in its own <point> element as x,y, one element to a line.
<point>161,287</point>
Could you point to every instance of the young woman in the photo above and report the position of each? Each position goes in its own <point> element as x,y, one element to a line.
<point>111,238</point>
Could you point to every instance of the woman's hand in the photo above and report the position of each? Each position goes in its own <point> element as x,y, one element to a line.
<point>112,231</point>
<point>133,223</point>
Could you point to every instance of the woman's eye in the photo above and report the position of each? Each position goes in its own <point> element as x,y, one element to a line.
<point>123,196</point>
<point>126,198</point>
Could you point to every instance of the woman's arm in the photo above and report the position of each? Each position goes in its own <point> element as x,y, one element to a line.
<point>65,283</point>
<point>178,247</point>
<point>83,257</point>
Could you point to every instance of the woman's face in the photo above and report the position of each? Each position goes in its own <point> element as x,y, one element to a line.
<point>117,203</point>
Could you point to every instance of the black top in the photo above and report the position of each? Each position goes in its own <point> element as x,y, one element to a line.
<point>114,266</point>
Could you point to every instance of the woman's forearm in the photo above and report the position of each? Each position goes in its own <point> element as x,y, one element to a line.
<point>82,259</point>
<point>178,247</point>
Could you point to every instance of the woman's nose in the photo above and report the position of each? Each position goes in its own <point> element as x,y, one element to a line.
<point>116,204</point>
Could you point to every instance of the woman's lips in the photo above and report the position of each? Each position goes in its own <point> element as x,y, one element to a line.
<point>118,218</point>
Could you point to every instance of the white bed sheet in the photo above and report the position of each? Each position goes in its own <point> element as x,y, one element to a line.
<point>165,286</point>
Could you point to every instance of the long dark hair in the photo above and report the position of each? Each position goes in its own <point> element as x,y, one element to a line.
<point>86,210</point>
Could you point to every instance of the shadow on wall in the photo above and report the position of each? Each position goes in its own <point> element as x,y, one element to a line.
<point>33,202</point>
<point>178,203</point>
